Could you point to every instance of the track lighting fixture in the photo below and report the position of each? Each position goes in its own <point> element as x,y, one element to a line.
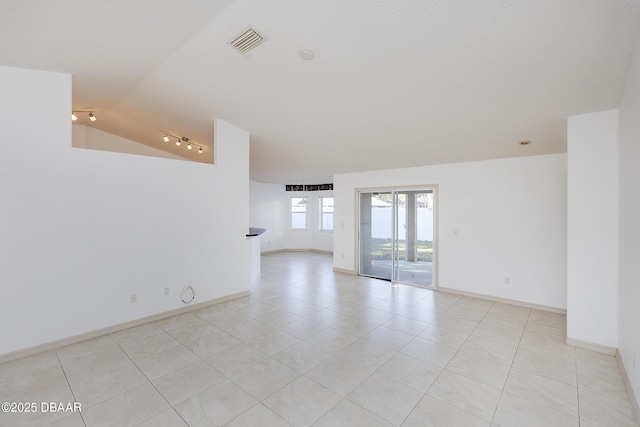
<point>74,116</point>
<point>180,140</point>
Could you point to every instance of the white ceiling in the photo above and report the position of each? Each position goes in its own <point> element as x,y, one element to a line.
<point>393,83</point>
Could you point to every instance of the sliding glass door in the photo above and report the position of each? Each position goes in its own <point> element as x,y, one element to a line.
<point>397,235</point>
<point>376,231</point>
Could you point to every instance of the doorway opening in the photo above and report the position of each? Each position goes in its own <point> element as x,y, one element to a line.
<point>397,235</point>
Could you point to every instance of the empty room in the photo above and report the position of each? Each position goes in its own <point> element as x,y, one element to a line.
<point>356,213</point>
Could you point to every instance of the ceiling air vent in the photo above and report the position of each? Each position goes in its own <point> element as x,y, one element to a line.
<point>247,40</point>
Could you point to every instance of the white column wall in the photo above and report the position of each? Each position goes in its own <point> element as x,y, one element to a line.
<point>82,229</point>
<point>592,232</point>
<point>268,211</point>
<point>497,219</point>
<point>629,307</point>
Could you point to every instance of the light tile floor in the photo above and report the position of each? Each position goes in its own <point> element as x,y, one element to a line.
<point>312,347</point>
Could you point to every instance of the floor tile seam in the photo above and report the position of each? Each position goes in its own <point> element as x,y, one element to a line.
<point>446,368</point>
<point>533,322</point>
<point>460,350</point>
<point>559,408</point>
<point>465,341</point>
<point>591,370</point>
<point>607,395</point>
<point>376,415</point>
<point>197,338</point>
<point>100,371</point>
<point>62,363</point>
<point>149,381</point>
<point>75,399</point>
<point>250,366</point>
<point>556,409</point>
<point>33,372</point>
<point>414,407</point>
<point>138,339</point>
<point>188,397</point>
<point>406,385</point>
<point>526,369</point>
<point>527,337</point>
<point>451,329</point>
<point>270,394</point>
<point>579,409</point>
<point>495,411</point>
<point>457,407</point>
<point>341,398</point>
<point>250,409</point>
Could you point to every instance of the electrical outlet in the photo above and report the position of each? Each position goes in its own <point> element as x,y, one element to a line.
<point>133,298</point>
<point>166,291</point>
<point>507,281</point>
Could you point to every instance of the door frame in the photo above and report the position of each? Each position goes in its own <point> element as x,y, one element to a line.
<point>435,283</point>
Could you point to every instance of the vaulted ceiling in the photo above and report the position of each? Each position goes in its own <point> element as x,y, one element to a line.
<point>392,84</point>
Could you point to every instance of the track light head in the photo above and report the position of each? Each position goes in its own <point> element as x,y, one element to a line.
<point>183,139</point>
<point>74,116</point>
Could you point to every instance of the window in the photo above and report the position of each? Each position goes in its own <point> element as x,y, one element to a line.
<point>326,213</point>
<point>298,213</point>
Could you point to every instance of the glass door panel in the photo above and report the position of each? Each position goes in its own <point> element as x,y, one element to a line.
<point>400,233</point>
<point>414,261</point>
<point>396,236</point>
<point>376,235</point>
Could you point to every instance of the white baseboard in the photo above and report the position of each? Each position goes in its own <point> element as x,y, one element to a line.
<point>342,270</point>
<point>502,300</point>
<point>7,357</point>
<point>627,384</point>
<point>320,251</point>
<point>255,282</point>
<point>598,348</point>
<point>277,251</point>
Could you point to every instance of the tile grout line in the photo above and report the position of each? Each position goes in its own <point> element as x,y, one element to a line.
<point>69,384</point>
<point>510,367</point>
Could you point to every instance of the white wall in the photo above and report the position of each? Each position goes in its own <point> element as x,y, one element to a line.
<point>629,312</point>
<point>271,209</point>
<point>311,238</point>
<point>267,210</point>
<point>592,239</point>
<point>83,229</point>
<point>95,139</point>
<point>496,219</point>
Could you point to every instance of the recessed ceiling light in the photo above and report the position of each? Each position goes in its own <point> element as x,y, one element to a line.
<point>306,54</point>
<point>525,142</point>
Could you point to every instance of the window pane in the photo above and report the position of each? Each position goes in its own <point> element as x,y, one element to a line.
<point>298,213</point>
<point>326,213</point>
